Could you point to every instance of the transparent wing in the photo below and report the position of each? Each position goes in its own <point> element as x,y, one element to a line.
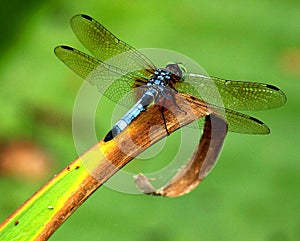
<point>244,124</point>
<point>111,81</point>
<point>104,45</point>
<point>237,122</point>
<point>237,95</point>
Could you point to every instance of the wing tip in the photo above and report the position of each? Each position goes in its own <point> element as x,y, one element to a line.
<point>57,49</point>
<point>86,17</point>
<point>266,130</point>
<point>272,87</point>
<point>66,47</point>
<point>283,99</point>
<point>81,15</point>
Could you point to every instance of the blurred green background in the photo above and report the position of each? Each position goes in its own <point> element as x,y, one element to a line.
<point>252,194</point>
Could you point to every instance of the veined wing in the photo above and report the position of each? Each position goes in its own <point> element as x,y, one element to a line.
<point>104,45</point>
<point>241,123</point>
<point>237,95</point>
<point>115,83</point>
<point>111,81</point>
<point>236,121</point>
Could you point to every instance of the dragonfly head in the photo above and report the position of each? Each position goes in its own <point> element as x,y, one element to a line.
<point>177,70</point>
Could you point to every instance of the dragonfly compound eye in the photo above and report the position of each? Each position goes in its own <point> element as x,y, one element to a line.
<point>175,70</point>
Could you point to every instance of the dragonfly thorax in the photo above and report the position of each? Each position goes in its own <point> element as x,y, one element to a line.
<point>161,77</point>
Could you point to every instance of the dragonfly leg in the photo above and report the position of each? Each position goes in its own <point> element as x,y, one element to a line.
<point>174,102</point>
<point>162,102</point>
<point>172,93</point>
<point>164,119</point>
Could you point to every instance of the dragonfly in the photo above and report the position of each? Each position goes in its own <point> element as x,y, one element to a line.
<point>117,69</point>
